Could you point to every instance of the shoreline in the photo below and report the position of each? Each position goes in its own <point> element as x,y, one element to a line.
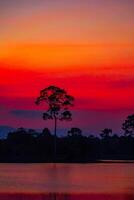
<point>90,162</point>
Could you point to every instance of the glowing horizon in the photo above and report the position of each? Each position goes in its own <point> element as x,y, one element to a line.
<point>85,47</point>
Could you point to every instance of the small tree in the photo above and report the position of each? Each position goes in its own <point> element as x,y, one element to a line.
<point>46,132</point>
<point>75,132</point>
<point>106,132</point>
<point>128,126</point>
<point>59,103</point>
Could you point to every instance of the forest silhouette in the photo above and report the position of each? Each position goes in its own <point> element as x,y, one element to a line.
<point>30,146</point>
<point>24,145</point>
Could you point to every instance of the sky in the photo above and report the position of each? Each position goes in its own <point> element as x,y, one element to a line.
<point>85,47</point>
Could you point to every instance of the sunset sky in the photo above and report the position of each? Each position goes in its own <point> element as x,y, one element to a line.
<point>83,46</point>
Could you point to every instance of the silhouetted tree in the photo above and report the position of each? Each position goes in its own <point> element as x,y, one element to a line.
<point>46,132</point>
<point>58,104</point>
<point>128,126</point>
<point>32,132</point>
<point>21,130</point>
<point>105,133</point>
<point>75,132</point>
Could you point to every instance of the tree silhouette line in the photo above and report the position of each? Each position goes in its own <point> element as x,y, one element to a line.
<point>31,146</point>
<point>24,145</point>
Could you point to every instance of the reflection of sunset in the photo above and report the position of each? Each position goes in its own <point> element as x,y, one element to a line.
<point>68,179</point>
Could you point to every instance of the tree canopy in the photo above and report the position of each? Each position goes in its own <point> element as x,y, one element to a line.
<point>128,125</point>
<point>58,103</point>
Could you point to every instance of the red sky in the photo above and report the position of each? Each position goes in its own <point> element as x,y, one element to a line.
<point>85,47</point>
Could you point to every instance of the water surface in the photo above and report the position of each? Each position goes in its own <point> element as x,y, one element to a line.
<point>67,181</point>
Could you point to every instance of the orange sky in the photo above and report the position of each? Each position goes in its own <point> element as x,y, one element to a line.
<point>86,47</point>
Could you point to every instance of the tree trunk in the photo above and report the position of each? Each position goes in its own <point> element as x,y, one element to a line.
<point>55,137</point>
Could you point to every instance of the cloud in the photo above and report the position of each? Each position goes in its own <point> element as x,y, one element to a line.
<point>26,113</point>
<point>90,121</point>
<point>122,83</point>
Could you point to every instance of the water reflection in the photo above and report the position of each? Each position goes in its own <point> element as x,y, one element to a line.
<point>54,196</point>
<point>68,179</point>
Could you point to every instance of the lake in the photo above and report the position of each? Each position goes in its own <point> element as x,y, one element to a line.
<point>101,181</point>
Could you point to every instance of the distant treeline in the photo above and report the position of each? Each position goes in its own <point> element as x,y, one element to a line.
<point>30,146</point>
